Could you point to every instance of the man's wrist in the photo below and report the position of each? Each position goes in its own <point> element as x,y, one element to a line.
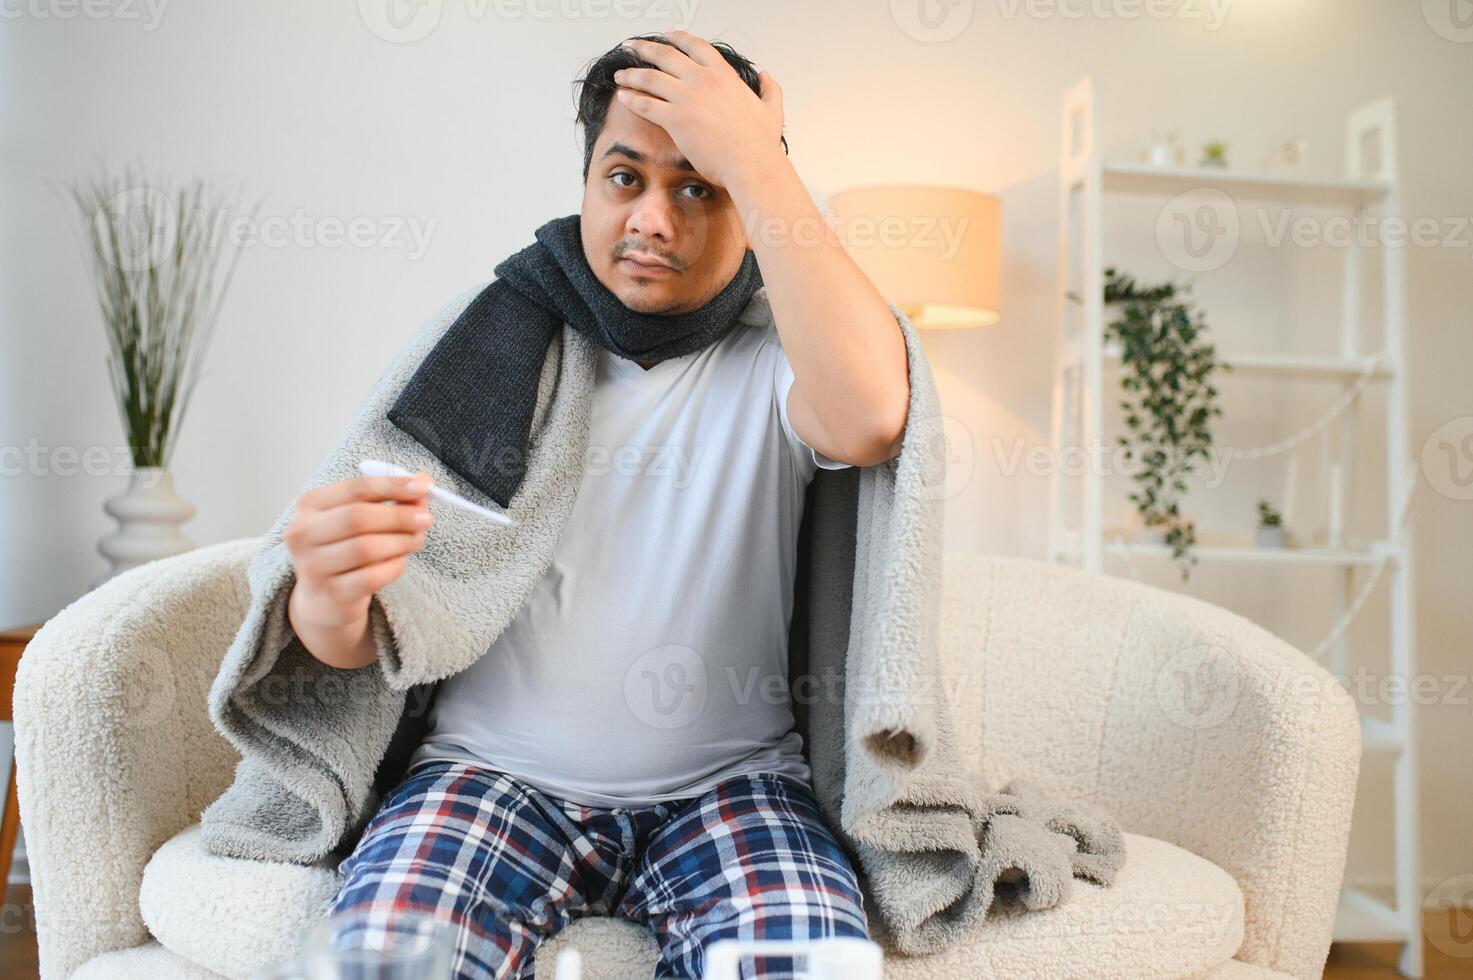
<point>760,176</point>
<point>345,646</point>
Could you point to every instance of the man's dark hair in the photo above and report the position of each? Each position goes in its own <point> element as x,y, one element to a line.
<point>597,87</point>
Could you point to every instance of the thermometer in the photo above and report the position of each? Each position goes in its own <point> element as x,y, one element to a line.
<point>377,467</point>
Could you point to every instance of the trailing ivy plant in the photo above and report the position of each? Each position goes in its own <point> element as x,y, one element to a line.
<point>1167,367</point>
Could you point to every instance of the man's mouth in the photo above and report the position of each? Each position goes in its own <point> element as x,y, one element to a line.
<point>644,265</point>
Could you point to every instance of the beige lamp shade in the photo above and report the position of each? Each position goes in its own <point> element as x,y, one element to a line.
<point>935,252</point>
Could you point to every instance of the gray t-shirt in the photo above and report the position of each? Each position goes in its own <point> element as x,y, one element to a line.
<point>650,662</point>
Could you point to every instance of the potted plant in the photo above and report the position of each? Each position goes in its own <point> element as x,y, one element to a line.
<point>157,273</point>
<point>1167,367</point>
<point>1270,526</point>
<point>1214,154</point>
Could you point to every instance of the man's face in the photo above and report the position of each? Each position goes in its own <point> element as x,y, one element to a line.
<point>643,199</point>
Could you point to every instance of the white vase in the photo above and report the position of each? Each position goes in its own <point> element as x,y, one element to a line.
<point>148,513</point>
<point>1271,537</point>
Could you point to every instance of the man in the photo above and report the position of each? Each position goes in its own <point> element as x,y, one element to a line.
<point>618,749</point>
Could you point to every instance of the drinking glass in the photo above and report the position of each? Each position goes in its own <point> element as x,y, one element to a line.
<point>378,944</point>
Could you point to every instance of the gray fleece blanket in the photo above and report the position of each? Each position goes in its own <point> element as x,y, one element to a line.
<point>321,746</point>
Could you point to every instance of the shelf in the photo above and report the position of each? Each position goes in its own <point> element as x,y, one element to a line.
<point>1345,557</point>
<point>1361,918</point>
<point>1305,366</point>
<point>1095,192</point>
<point>1134,178</point>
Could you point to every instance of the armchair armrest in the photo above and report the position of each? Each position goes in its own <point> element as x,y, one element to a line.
<point>115,751</point>
<point>1187,722</point>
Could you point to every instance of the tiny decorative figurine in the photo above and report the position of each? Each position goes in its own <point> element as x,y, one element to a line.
<point>1164,152</point>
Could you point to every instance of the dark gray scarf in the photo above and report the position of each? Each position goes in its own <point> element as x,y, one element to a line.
<point>470,401</point>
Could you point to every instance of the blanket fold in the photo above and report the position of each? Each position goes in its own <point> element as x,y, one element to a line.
<point>320,745</point>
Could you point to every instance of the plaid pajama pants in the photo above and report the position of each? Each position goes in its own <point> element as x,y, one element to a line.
<point>509,866</point>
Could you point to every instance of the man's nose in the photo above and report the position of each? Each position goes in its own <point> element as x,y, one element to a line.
<point>655,216</point>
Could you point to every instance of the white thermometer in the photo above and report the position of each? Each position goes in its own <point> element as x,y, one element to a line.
<point>377,467</point>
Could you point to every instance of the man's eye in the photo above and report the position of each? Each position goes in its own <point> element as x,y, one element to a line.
<point>703,192</point>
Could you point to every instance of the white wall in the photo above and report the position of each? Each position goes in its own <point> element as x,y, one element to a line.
<point>468,131</point>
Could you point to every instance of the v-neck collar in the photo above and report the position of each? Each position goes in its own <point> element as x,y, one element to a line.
<point>631,369</point>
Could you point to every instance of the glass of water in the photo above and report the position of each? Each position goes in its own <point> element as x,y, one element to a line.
<point>378,944</point>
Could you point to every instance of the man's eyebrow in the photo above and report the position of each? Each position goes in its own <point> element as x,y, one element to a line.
<point>673,163</point>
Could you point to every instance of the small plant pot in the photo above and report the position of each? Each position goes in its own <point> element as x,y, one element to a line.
<point>1271,537</point>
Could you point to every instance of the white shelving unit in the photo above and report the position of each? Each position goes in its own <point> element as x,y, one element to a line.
<point>1077,531</point>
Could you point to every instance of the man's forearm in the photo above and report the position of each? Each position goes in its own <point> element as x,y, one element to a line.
<point>346,648</point>
<point>837,330</point>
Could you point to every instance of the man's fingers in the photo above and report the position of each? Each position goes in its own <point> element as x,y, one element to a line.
<point>698,49</point>
<point>349,520</point>
<point>362,582</point>
<point>357,552</point>
<point>665,57</point>
<point>366,488</point>
<point>646,106</point>
<point>772,94</point>
<point>648,80</point>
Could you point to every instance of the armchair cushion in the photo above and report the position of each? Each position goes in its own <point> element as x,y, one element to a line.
<point>1169,914</point>
<point>229,915</point>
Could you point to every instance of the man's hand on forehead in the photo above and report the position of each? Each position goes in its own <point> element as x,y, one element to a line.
<point>720,125</point>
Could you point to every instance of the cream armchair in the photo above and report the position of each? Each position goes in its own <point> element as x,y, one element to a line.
<point>1229,757</point>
